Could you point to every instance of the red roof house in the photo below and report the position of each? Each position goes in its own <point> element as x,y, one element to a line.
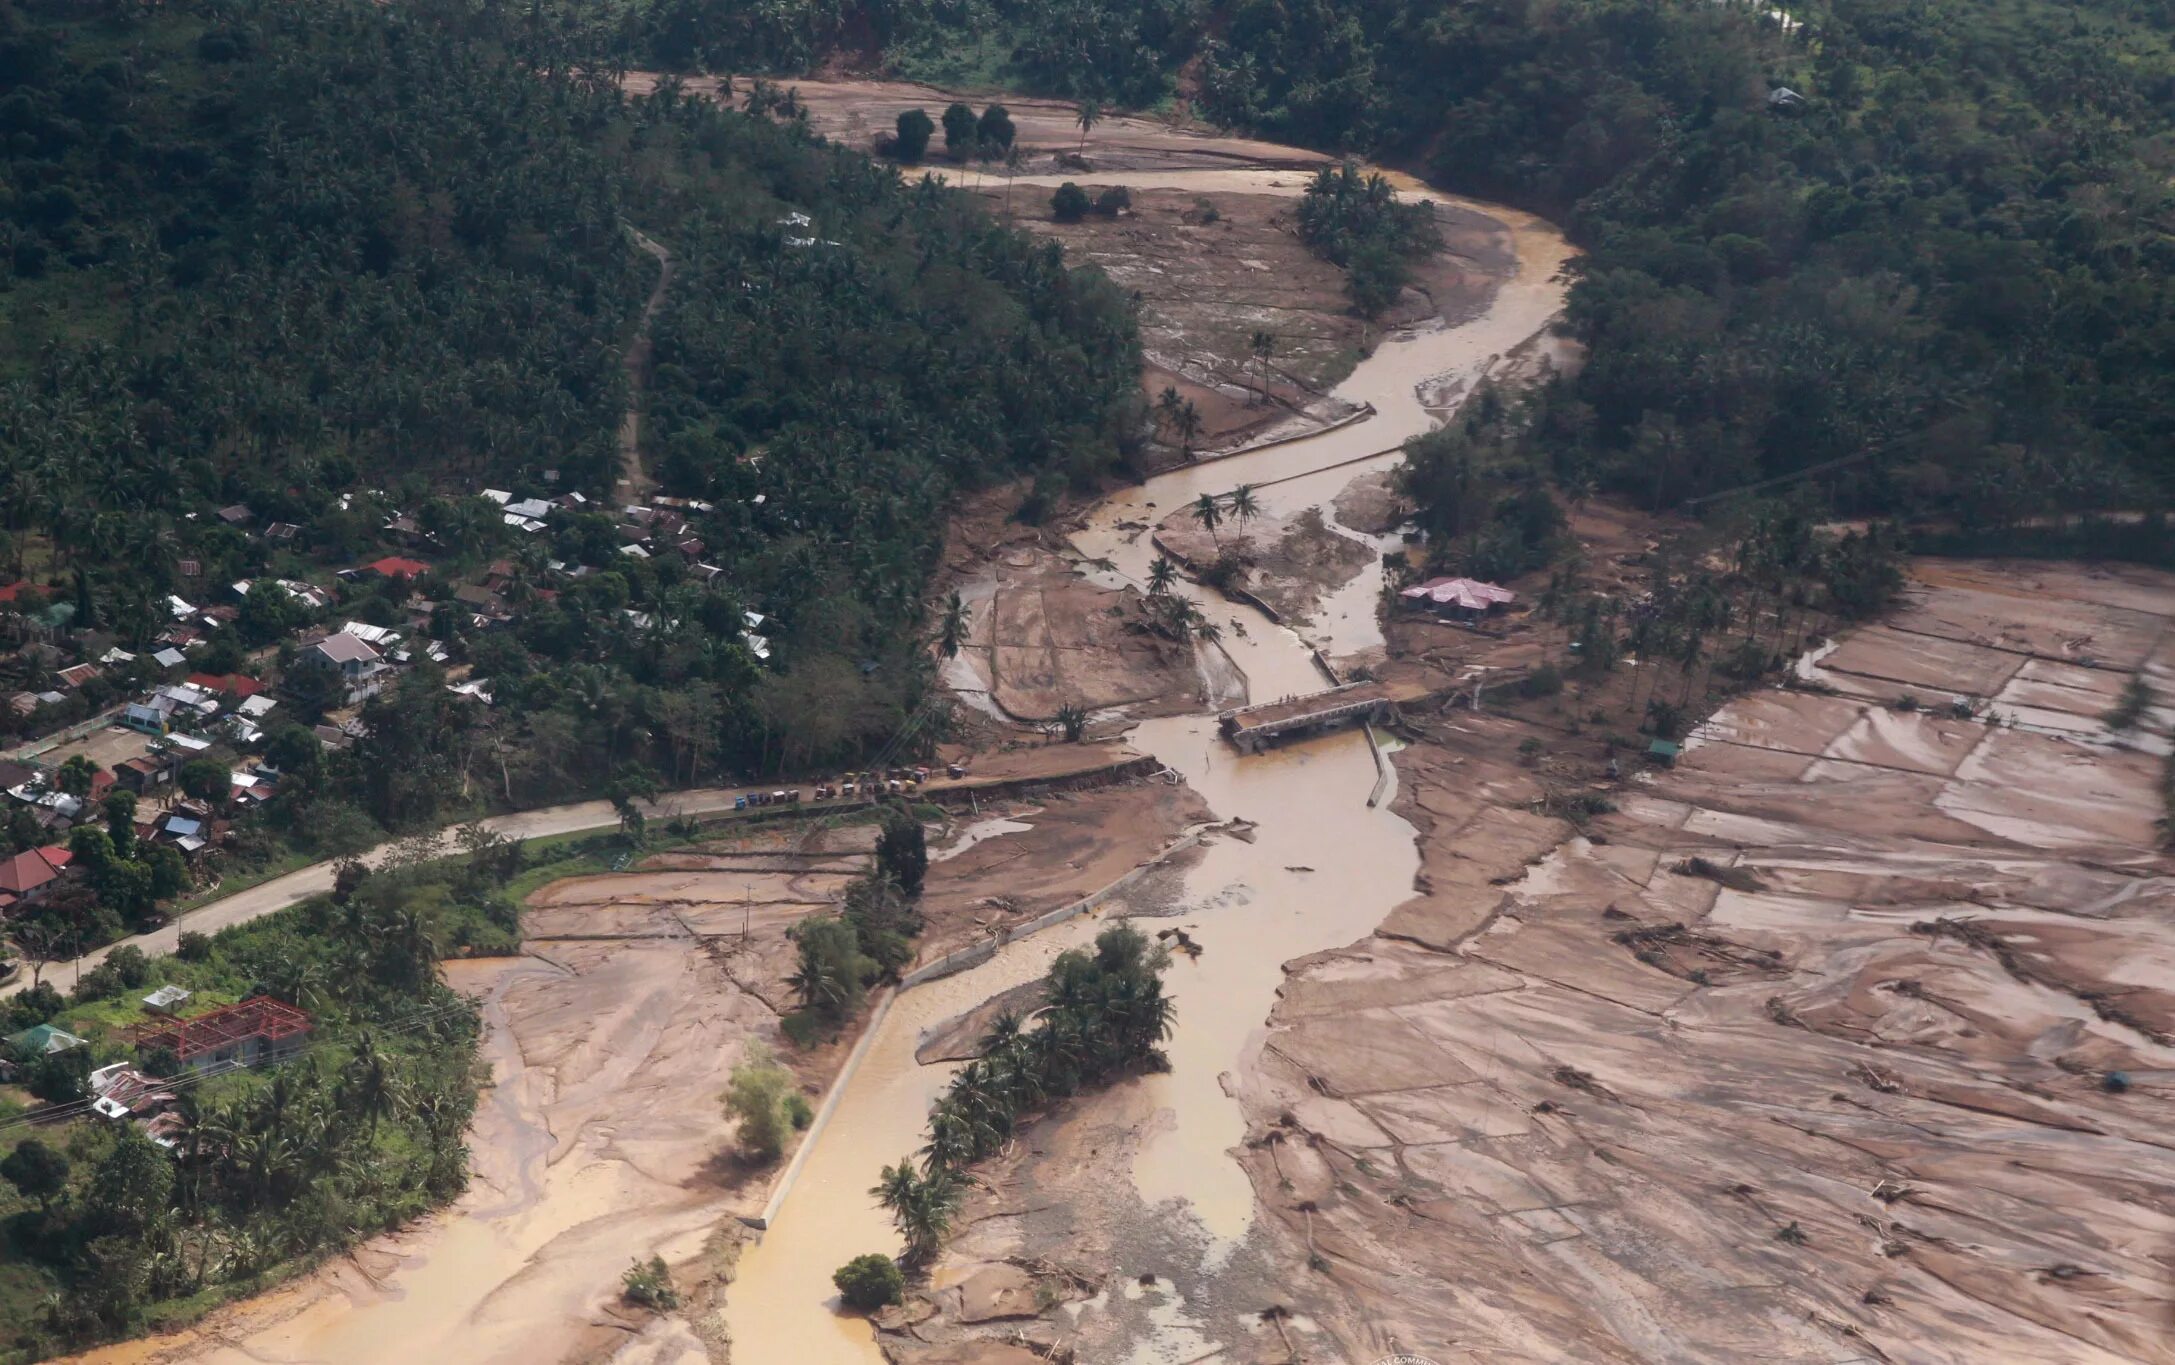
<point>26,876</point>
<point>259,1029</point>
<point>395,566</point>
<point>239,686</point>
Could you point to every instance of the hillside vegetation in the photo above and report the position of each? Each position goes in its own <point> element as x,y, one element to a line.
<point>344,261</point>
<point>1938,265</point>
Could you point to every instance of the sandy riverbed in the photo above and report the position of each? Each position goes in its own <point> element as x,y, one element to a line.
<point>600,1139</point>
<point>1574,1103</point>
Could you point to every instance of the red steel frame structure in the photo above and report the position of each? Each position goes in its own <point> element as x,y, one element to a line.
<point>270,1020</point>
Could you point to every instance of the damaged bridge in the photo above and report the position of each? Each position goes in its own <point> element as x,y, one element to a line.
<point>1255,728</point>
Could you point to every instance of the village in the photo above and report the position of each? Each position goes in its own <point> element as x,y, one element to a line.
<point>1634,938</point>
<point>184,720</point>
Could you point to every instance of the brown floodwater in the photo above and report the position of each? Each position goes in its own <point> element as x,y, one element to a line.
<point>1290,478</point>
<point>532,1255</point>
<point>1323,867</point>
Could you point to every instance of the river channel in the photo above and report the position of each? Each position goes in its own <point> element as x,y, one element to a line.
<point>488,1282</point>
<point>1323,869</point>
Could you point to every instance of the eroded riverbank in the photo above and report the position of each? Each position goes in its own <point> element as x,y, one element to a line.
<point>600,1139</point>
<point>1804,1048</point>
<point>1320,864</point>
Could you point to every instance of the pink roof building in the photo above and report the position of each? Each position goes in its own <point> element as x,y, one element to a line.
<point>1469,593</point>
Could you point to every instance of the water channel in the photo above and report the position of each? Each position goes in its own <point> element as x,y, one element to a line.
<point>1252,907</point>
<point>1323,870</point>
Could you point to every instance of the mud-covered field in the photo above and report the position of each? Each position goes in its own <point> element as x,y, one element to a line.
<point>1040,639</point>
<point>1847,1039</point>
<point>1214,267</point>
<point>600,1138</point>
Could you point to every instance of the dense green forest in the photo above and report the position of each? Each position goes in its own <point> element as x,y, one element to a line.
<point>341,262</point>
<point>1126,51</point>
<point>1938,266</point>
<point>1945,261</point>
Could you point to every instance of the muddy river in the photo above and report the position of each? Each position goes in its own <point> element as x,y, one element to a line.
<point>541,1237</point>
<point>1324,867</point>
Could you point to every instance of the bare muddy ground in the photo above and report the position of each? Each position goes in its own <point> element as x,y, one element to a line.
<point>1289,562</point>
<point>1073,845</point>
<point>1836,1090</point>
<point>1212,268</point>
<point>600,1139</point>
<point>1040,638</point>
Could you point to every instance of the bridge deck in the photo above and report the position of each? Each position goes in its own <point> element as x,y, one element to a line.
<point>1352,701</point>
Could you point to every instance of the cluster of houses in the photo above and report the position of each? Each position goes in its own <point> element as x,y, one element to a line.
<point>660,527</point>
<point>184,714</point>
<point>259,1031</point>
<point>188,826</point>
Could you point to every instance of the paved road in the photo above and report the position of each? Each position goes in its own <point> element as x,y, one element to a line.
<point>1032,764</point>
<point>281,892</point>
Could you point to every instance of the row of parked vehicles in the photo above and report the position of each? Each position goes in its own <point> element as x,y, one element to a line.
<point>891,782</point>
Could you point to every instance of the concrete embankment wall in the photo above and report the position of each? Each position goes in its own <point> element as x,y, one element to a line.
<point>1240,594</point>
<point>1358,414</point>
<point>1085,779</point>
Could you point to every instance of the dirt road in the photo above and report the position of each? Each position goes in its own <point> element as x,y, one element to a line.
<point>633,482</point>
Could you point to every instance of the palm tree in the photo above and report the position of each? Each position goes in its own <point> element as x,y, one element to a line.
<point>895,1189</point>
<point>1208,511</point>
<point>921,1204</point>
<point>1174,617</point>
<point>954,633</point>
<point>1089,113</point>
<point>1243,504</point>
<point>1645,641</point>
<point>368,1085</point>
<point>1167,407</point>
<point>954,1135</point>
<point>1014,159</point>
<point>819,984</point>
<point>1264,346</point>
<point>1161,574</point>
<point>1188,422</point>
<point>1004,1031</point>
<point>1691,648</point>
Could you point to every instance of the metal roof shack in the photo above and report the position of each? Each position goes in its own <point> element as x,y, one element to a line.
<point>256,1031</point>
<point>345,648</point>
<point>1469,594</point>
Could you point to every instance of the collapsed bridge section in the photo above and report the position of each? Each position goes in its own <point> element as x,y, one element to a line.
<point>1254,728</point>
